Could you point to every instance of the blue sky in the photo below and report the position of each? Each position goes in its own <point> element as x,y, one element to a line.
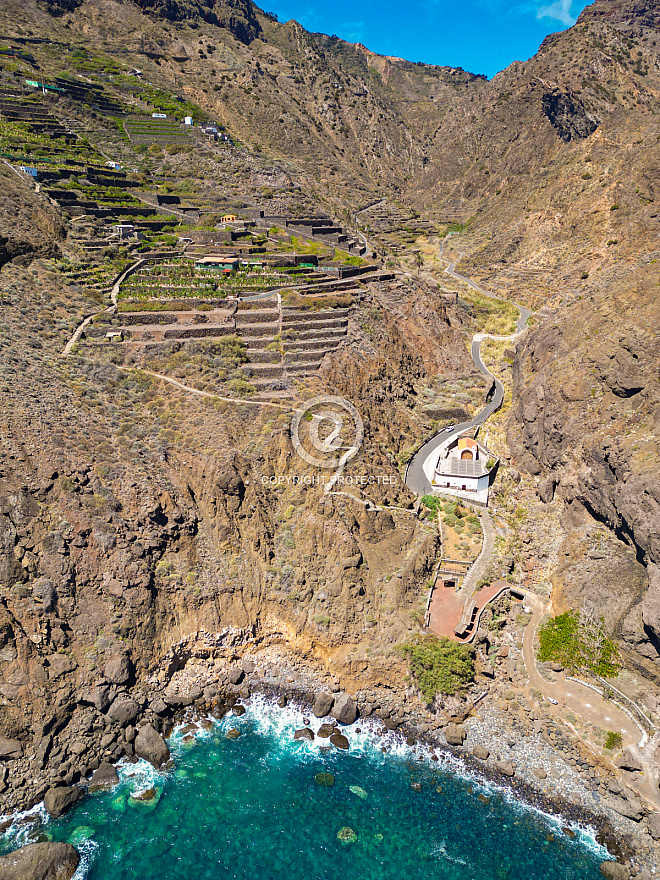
<point>483,36</point>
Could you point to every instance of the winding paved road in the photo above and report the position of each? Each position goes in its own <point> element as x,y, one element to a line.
<point>422,465</point>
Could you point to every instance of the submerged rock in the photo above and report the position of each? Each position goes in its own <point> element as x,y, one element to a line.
<point>325,780</point>
<point>40,861</point>
<point>233,733</point>
<point>147,799</point>
<point>346,835</point>
<point>357,790</point>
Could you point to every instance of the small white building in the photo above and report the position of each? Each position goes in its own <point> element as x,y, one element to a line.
<point>188,120</point>
<point>464,470</point>
<point>159,115</point>
<point>124,230</point>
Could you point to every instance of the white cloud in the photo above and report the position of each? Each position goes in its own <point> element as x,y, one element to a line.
<point>559,10</point>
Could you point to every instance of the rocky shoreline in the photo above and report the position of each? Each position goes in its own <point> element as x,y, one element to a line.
<point>194,682</point>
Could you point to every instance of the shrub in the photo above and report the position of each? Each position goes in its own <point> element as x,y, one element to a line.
<point>613,740</point>
<point>579,643</point>
<point>439,665</point>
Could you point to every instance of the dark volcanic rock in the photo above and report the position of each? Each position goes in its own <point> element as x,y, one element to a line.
<point>105,777</point>
<point>304,733</point>
<point>124,710</point>
<point>119,669</point>
<point>99,696</point>
<point>236,675</point>
<point>151,746</point>
<point>568,115</point>
<point>455,734</point>
<point>40,861</point>
<point>58,800</point>
<point>339,741</point>
<point>238,16</point>
<point>323,704</point>
<point>344,709</point>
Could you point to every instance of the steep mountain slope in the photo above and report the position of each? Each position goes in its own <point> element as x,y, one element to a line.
<point>133,514</point>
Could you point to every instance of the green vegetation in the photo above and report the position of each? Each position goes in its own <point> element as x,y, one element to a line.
<point>613,740</point>
<point>439,665</point>
<point>433,503</point>
<point>578,642</point>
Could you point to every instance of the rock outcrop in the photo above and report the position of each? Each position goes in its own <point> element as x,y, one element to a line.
<point>151,746</point>
<point>58,800</point>
<point>40,861</point>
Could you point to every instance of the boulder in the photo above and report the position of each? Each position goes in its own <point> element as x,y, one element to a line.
<point>323,705</point>
<point>481,752</point>
<point>614,871</point>
<point>344,709</point>
<point>151,746</point>
<point>104,778</point>
<point>455,734</point>
<point>304,733</point>
<point>654,825</point>
<point>339,741</point>
<point>540,773</point>
<point>10,748</point>
<point>282,702</point>
<point>123,710</point>
<point>119,669</point>
<point>100,696</point>
<point>44,591</point>
<point>248,666</point>
<point>236,675</point>
<point>58,800</point>
<point>629,761</point>
<point>505,768</point>
<point>40,861</point>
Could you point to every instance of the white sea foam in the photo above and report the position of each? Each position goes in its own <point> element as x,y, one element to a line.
<point>87,850</point>
<point>140,776</point>
<point>265,718</point>
<point>24,822</point>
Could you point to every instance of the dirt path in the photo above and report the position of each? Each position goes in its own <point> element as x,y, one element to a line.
<point>572,696</point>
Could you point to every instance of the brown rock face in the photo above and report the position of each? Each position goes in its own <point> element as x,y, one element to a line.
<point>237,16</point>
<point>40,861</point>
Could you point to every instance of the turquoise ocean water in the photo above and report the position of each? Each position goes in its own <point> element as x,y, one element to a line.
<point>251,808</point>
